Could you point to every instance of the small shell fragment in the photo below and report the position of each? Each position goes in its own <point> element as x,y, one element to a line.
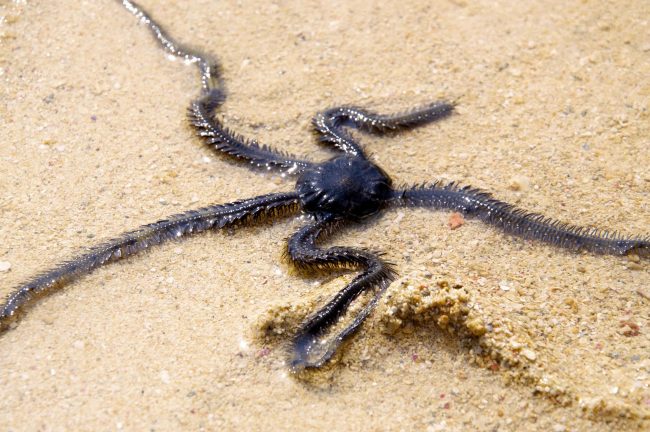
<point>529,354</point>
<point>456,220</point>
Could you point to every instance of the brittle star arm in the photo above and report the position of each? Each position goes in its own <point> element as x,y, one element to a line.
<point>330,124</point>
<point>512,220</point>
<point>201,112</point>
<point>311,346</point>
<point>208,66</point>
<point>132,242</point>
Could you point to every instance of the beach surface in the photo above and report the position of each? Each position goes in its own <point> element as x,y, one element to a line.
<point>481,331</point>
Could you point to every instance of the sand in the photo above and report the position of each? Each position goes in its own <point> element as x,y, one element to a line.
<point>481,331</point>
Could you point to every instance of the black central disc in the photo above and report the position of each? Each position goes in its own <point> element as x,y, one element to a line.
<point>345,186</point>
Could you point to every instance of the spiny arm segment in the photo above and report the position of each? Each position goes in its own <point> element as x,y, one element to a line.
<point>201,115</point>
<point>132,242</point>
<point>312,347</point>
<point>202,111</point>
<point>330,124</point>
<point>474,202</point>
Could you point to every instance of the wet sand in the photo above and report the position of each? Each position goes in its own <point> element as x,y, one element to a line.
<point>553,115</point>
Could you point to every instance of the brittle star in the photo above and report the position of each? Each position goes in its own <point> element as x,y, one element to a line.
<point>344,189</point>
